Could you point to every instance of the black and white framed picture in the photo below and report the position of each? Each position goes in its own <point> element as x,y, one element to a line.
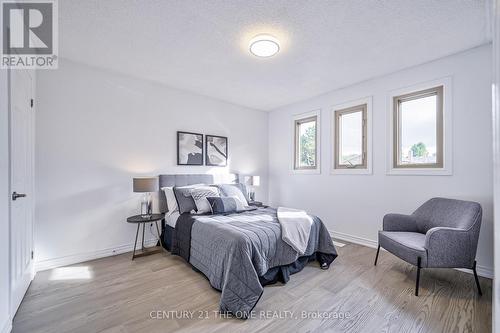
<point>216,150</point>
<point>189,148</point>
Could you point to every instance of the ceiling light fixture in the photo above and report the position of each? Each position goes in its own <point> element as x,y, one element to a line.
<point>264,46</point>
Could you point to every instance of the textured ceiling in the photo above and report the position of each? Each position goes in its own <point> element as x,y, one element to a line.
<point>202,46</point>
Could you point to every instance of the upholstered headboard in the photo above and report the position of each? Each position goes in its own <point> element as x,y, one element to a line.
<point>190,179</point>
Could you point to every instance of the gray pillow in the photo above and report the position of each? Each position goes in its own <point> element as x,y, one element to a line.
<point>185,201</point>
<point>225,205</point>
<point>234,190</point>
<point>200,194</point>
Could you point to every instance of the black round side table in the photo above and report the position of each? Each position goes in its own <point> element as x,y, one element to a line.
<point>138,219</point>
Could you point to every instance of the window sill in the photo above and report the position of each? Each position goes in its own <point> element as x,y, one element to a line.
<point>419,172</point>
<point>316,171</point>
<point>351,171</point>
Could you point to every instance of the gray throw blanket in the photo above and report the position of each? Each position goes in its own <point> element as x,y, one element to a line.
<point>234,250</point>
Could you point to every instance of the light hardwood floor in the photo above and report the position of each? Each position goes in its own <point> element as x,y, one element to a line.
<point>119,295</point>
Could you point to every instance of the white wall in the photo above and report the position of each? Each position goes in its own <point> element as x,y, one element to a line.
<point>355,204</point>
<point>5,321</point>
<point>95,130</point>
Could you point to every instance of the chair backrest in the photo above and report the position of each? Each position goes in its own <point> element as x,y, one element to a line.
<point>441,212</point>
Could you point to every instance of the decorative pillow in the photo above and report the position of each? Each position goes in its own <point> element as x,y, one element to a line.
<point>240,206</point>
<point>234,190</point>
<point>221,205</point>
<point>185,201</point>
<point>171,201</point>
<point>200,195</point>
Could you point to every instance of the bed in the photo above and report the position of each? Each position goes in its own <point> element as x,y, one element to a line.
<point>239,253</point>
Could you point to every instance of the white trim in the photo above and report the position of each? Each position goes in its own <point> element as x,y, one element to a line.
<point>446,170</point>
<point>81,257</point>
<point>369,151</point>
<point>316,171</point>
<point>483,271</point>
<point>353,239</point>
<point>7,326</point>
<point>495,20</point>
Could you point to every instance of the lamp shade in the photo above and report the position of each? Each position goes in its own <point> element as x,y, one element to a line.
<point>248,180</point>
<point>146,184</point>
<point>252,180</point>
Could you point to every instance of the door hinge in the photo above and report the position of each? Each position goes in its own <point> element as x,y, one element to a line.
<point>31,102</point>
<point>32,255</point>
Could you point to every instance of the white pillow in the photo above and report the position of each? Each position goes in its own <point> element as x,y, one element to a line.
<point>200,195</point>
<point>231,190</point>
<point>239,204</point>
<point>171,201</point>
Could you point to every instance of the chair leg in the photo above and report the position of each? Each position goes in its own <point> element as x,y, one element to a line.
<point>477,280</point>
<point>376,257</point>
<point>418,276</point>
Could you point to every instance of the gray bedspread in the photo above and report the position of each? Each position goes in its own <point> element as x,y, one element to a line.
<point>234,250</point>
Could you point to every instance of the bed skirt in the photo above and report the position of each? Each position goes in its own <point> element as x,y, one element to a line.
<point>167,237</point>
<point>273,275</point>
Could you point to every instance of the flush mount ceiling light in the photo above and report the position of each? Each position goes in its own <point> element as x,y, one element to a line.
<point>264,46</point>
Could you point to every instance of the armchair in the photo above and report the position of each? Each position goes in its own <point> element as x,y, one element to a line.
<point>442,233</point>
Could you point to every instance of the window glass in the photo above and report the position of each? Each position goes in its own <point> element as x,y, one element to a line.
<point>305,143</point>
<point>418,135</point>
<point>418,129</point>
<point>351,138</point>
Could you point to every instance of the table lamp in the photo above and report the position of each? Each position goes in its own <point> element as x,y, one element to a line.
<point>146,185</point>
<point>252,182</point>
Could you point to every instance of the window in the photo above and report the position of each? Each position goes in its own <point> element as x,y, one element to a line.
<point>306,134</point>
<point>351,138</point>
<point>418,129</point>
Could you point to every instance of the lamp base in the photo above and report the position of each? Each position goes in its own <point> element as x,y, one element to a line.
<point>146,206</point>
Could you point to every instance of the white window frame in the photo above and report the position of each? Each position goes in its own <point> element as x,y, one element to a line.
<point>446,169</point>
<point>369,151</point>
<point>317,169</point>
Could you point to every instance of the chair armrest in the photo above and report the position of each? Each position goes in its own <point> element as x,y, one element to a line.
<point>399,222</point>
<point>449,247</point>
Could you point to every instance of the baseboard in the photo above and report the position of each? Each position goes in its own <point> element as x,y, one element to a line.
<point>7,326</point>
<point>81,257</point>
<point>483,271</point>
<point>353,239</point>
<point>42,265</point>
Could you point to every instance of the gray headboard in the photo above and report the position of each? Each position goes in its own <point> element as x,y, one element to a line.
<point>189,179</point>
<point>183,180</point>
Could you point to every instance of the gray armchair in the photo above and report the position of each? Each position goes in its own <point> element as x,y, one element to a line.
<point>442,233</point>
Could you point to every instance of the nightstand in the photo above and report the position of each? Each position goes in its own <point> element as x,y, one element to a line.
<point>138,219</point>
<point>257,204</point>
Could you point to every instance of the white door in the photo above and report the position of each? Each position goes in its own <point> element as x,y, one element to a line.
<point>22,116</point>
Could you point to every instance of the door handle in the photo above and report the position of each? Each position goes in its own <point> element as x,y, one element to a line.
<point>16,195</point>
